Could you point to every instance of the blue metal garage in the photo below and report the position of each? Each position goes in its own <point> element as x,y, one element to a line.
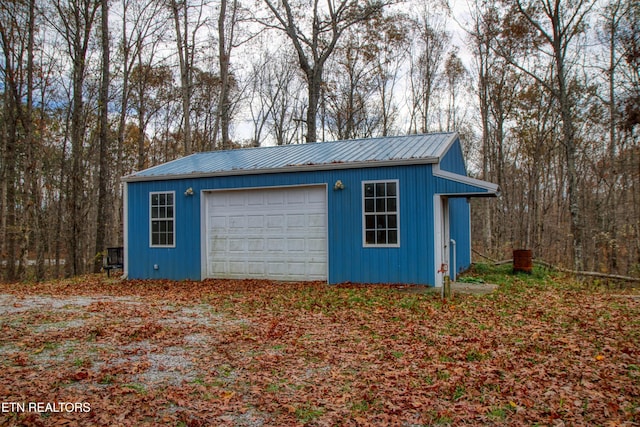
<point>378,210</point>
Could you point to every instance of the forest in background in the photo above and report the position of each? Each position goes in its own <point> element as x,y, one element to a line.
<point>544,93</point>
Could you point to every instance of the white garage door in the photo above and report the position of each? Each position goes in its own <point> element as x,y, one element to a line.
<point>278,234</point>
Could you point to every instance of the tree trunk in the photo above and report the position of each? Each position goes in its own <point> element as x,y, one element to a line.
<point>314,77</point>
<point>185,72</point>
<point>32,207</point>
<point>570,153</point>
<point>78,38</point>
<point>103,172</point>
<point>9,178</point>
<point>225,44</point>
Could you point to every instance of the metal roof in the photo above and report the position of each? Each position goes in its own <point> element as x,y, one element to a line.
<point>391,150</point>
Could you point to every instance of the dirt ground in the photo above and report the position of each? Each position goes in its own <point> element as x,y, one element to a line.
<point>98,352</point>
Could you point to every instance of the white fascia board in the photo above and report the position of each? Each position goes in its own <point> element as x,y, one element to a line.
<point>492,189</point>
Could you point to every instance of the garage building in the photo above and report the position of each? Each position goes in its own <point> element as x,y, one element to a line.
<point>378,210</point>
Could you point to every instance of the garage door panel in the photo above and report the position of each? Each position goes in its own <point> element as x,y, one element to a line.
<point>277,244</point>
<point>219,221</point>
<point>316,220</point>
<point>237,245</point>
<point>267,233</point>
<point>295,198</point>
<point>277,268</point>
<point>297,268</point>
<point>317,270</point>
<point>275,198</point>
<point>317,198</point>
<point>296,221</point>
<point>255,221</point>
<point>256,245</point>
<point>237,267</point>
<point>257,268</point>
<point>275,222</point>
<point>219,244</point>
<point>296,245</point>
<point>316,246</point>
<point>238,222</point>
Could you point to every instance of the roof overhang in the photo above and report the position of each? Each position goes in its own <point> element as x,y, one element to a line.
<point>484,188</point>
<point>287,169</point>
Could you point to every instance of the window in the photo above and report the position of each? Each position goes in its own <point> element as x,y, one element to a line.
<point>381,213</point>
<point>162,219</point>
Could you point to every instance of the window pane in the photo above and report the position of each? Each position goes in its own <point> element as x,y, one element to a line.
<point>371,237</point>
<point>368,190</point>
<point>380,220</point>
<point>391,188</point>
<point>368,205</point>
<point>391,204</point>
<point>370,222</point>
<point>162,215</point>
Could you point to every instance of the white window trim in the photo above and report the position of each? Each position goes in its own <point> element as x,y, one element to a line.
<point>151,245</point>
<point>364,220</point>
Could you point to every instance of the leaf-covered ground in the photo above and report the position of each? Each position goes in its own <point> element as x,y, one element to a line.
<point>537,351</point>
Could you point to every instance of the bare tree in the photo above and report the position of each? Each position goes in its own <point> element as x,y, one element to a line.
<point>140,35</point>
<point>357,100</point>
<point>277,86</point>
<point>186,35</point>
<point>17,150</point>
<point>103,137</point>
<point>350,90</point>
<point>455,73</point>
<point>226,35</point>
<point>427,62</point>
<point>315,40</point>
<point>150,85</point>
<point>74,21</point>
<point>558,25</point>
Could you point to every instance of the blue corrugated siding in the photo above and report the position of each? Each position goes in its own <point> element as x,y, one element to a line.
<point>453,161</point>
<point>179,263</point>
<point>459,231</point>
<point>412,262</point>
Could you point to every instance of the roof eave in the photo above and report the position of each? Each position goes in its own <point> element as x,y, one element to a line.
<point>488,189</point>
<point>285,169</point>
